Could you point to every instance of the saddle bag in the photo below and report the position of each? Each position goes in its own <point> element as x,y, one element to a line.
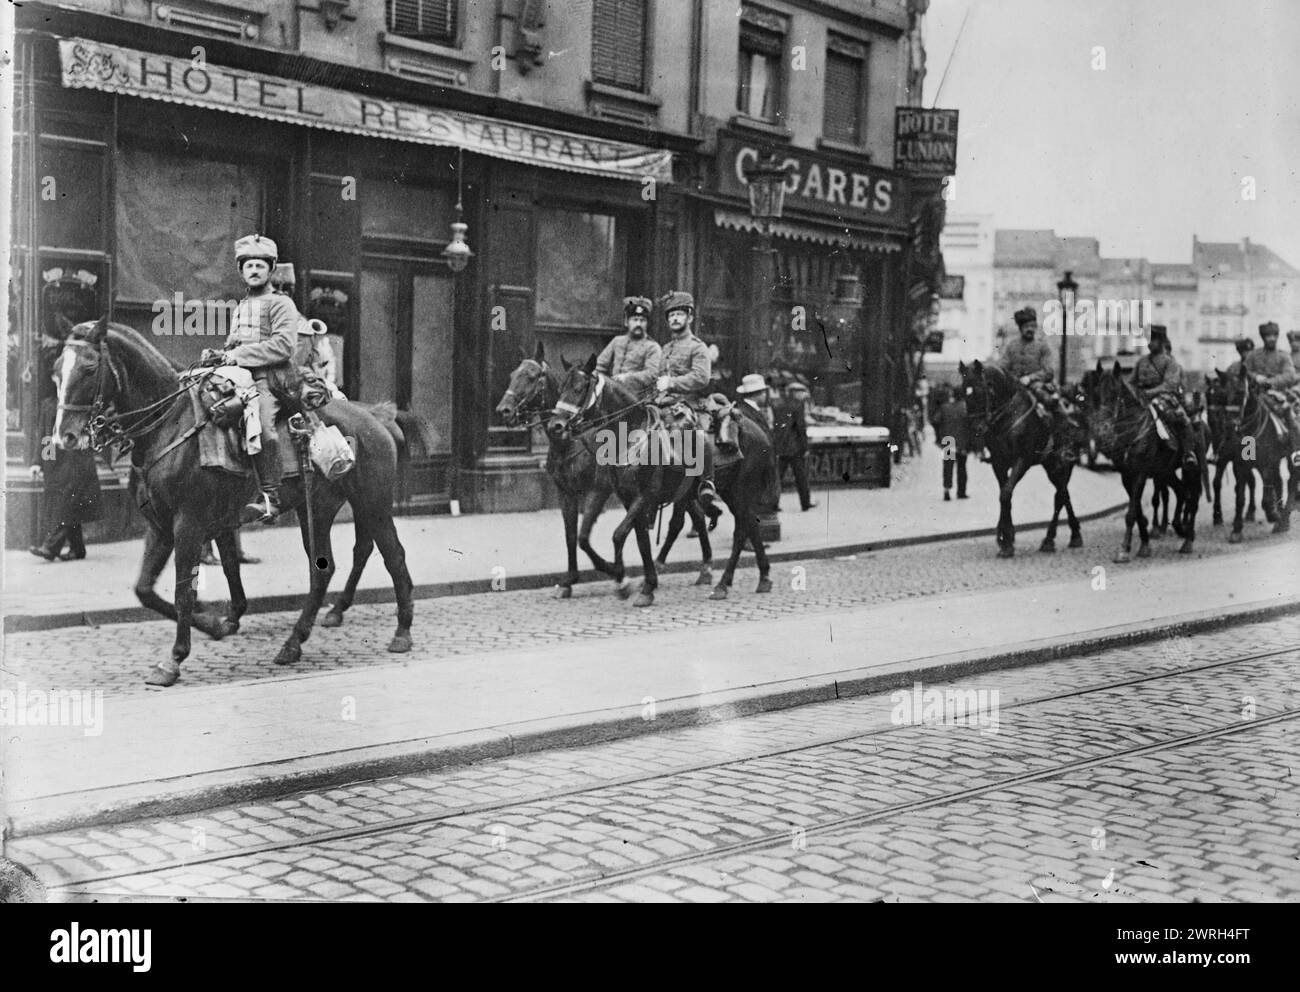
<point>330,452</point>
<point>227,408</point>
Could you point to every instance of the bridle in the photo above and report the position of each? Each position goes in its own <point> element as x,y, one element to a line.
<point>535,394</point>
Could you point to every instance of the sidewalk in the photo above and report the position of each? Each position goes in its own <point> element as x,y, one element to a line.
<point>169,753</point>
<point>455,555</point>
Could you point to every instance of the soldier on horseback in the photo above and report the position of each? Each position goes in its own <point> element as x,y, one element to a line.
<point>1274,370</point>
<point>263,339</point>
<point>633,358</point>
<point>1160,380</point>
<point>1244,347</point>
<point>1032,361</point>
<point>684,373</point>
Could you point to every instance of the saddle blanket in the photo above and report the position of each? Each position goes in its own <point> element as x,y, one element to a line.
<point>222,449</point>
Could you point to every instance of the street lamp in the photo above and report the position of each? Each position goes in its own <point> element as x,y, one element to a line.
<point>766,182</point>
<point>457,253</point>
<point>1066,290</point>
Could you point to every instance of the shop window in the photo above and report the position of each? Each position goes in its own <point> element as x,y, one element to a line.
<point>581,268</point>
<point>761,47</point>
<point>618,43</point>
<point>178,218</point>
<point>394,209</point>
<point>70,194</point>
<point>845,76</point>
<point>427,20</point>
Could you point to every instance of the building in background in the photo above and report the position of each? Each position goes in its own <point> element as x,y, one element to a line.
<point>1174,304</point>
<point>1240,285</point>
<point>1124,284</point>
<point>966,304</point>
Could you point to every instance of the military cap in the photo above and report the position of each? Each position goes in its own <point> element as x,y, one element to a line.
<point>636,306</point>
<point>677,300</point>
<point>256,246</point>
<point>1244,345</point>
<point>1026,316</point>
<point>1159,331</point>
<point>796,388</point>
<point>1266,329</point>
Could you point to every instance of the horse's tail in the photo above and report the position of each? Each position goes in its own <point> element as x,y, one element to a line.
<point>391,418</point>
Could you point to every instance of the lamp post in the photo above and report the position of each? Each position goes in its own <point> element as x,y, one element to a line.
<point>766,182</point>
<point>1066,290</point>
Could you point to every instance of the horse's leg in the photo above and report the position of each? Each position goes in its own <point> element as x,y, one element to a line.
<point>1000,473</point>
<point>1282,498</point>
<point>700,521</point>
<point>187,535</point>
<point>229,552</point>
<point>651,581</point>
<point>394,555</point>
<point>1239,485</point>
<point>1005,526</point>
<point>760,555</point>
<point>624,528</point>
<point>1220,466</point>
<point>1189,498</point>
<point>1058,502</point>
<point>291,650</point>
<point>1144,534</point>
<point>1134,483</point>
<point>363,544</point>
<point>675,522</point>
<point>1250,484</point>
<point>157,548</point>
<point>569,511</point>
<point>593,505</point>
<point>745,520</point>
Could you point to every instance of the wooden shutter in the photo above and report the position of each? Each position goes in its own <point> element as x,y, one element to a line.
<point>618,43</point>
<point>843,98</point>
<point>431,19</point>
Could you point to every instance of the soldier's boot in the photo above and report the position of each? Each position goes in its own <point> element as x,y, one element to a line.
<point>707,493</point>
<point>267,465</point>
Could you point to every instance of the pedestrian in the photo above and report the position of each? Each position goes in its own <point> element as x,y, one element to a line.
<point>790,440</point>
<point>952,434</point>
<point>71,492</point>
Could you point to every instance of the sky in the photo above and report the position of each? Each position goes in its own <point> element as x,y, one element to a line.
<point>1194,97</point>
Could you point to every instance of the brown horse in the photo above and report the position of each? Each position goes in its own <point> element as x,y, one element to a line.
<point>1261,447</point>
<point>589,399</point>
<point>115,386</point>
<point>1222,417</point>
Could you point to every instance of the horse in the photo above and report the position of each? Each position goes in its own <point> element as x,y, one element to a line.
<point>1125,429</point>
<point>1223,437</point>
<point>115,386</point>
<point>1003,419</point>
<point>590,399</point>
<point>583,487</point>
<point>1262,447</point>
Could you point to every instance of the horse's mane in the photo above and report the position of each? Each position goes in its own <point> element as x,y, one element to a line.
<point>121,336</point>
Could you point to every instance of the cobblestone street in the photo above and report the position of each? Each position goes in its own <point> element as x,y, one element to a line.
<point>1154,772</point>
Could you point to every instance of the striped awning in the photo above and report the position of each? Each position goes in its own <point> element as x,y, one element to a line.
<point>95,65</point>
<point>795,230</point>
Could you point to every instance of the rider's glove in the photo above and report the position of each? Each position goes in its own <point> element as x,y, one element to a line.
<point>1025,380</point>
<point>661,384</point>
<point>213,356</point>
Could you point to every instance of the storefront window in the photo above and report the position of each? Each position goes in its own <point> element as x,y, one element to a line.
<point>177,222</point>
<point>581,268</point>
<point>393,209</point>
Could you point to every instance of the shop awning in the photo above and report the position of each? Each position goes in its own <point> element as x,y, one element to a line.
<point>95,65</point>
<point>795,230</point>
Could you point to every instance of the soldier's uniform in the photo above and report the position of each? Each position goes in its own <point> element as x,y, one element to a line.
<point>312,353</point>
<point>1279,372</point>
<point>263,339</point>
<point>685,365</point>
<point>634,362</point>
<point>1022,358</point>
<point>1160,378</point>
<point>1033,362</point>
<point>1244,347</point>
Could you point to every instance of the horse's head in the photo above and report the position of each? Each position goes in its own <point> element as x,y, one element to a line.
<point>88,382</point>
<point>526,394</point>
<point>979,400</point>
<point>579,391</point>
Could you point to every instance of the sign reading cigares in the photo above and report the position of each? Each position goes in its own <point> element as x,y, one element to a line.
<point>925,141</point>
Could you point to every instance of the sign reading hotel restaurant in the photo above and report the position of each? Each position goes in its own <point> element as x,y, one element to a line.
<point>93,65</point>
<point>853,191</point>
<point>925,141</point>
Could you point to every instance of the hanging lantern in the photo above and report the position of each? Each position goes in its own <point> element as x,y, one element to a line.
<point>766,182</point>
<point>457,252</point>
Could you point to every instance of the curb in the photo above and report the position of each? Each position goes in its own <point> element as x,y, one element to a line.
<point>25,623</point>
<point>264,782</point>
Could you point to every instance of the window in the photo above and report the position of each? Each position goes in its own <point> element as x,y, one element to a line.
<point>429,20</point>
<point>581,268</point>
<point>1261,296</point>
<point>761,45</point>
<point>618,43</point>
<point>845,72</point>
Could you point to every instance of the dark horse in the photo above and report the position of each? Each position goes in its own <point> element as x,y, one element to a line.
<point>1261,446</point>
<point>583,485</point>
<point>1222,416</point>
<point>1003,419</point>
<point>589,399</point>
<point>1125,429</point>
<point>111,372</point>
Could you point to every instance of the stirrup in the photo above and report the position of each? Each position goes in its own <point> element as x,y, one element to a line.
<point>264,509</point>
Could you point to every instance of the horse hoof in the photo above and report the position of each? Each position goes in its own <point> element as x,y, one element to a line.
<point>562,592</point>
<point>1047,546</point>
<point>290,653</point>
<point>163,674</point>
<point>1076,541</point>
<point>1121,558</point>
<point>646,598</point>
<point>705,578</point>
<point>228,627</point>
<point>1281,528</point>
<point>1234,537</point>
<point>1144,551</point>
<point>1186,547</point>
<point>334,618</point>
<point>764,585</point>
<point>1250,516</point>
<point>400,644</point>
<point>1008,551</point>
<point>1218,519</point>
<point>624,589</point>
<point>719,592</point>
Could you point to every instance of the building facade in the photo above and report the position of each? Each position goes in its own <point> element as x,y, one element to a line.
<point>597,150</point>
<point>966,305</point>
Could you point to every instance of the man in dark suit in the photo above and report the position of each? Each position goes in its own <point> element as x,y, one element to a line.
<point>754,406</point>
<point>952,434</point>
<point>790,440</point>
